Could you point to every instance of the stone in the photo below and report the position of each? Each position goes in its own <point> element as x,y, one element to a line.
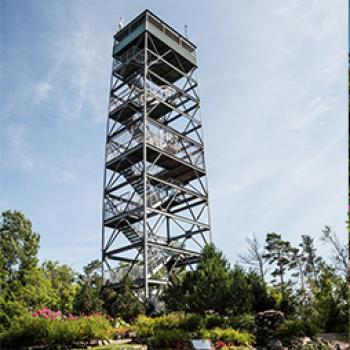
<point>275,345</point>
<point>267,323</point>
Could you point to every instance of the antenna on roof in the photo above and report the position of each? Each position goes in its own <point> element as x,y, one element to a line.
<point>121,23</point>
<point>186,31</point>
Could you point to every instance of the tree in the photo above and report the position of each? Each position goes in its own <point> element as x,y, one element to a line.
<point>123,303</point>
<point>330,309</point>
<point>297,262</point>
<point>88,298</point>
<point>23,284</point>
<point>313,263</point>
<point>339,250</point>
<point>62,279</point>
<point>240,296</point>
<point>261,298</point>
<point>278,252</point>
<point>174,295</point>
<point>18,249</point>
<point>37,291</point>
<point>255,256</point>
<point>210,283</point>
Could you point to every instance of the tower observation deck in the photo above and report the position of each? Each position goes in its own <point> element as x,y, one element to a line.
<point>155,211</point>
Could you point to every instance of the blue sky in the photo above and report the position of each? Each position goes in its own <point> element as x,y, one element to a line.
<point>273,82</point>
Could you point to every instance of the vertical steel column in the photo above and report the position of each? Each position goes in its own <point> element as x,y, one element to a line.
<point>145,238</point>
<point>105,173</point>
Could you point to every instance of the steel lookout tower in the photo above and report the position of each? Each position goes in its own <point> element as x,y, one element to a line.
<point>155,201</point>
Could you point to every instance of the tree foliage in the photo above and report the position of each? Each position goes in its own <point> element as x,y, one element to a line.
<point>123,303</point>
<point>300,283</point>
<point>88,298</point>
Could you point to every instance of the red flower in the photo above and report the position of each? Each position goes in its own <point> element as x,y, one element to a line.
<point>219,344</point>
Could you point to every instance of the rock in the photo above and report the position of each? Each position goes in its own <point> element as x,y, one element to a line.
<point>267,323</point>
<point>275,345</point>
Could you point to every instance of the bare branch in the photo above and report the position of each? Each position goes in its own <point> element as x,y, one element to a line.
<point>339,250</point>
<point>254,256</point>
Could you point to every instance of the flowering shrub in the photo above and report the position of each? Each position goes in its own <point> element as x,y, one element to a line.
<point>47,314</point>
<point>174,329</point>
<point>45,327</point>
<point>220,344</point>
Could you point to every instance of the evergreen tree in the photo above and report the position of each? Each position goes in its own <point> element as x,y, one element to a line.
<point>313,263</point>
<point>278,253</point>
<point>174,296</point>
<point>240,296</point>
<point>88,298</point>
<point>123,303</point>
<point>261,299</point>
<point>210,283</point>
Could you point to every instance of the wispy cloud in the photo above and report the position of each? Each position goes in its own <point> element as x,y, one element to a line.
<point>273,106</point>
<point>313,110</point>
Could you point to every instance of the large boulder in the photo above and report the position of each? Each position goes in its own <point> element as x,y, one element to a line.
<point>267,323</point>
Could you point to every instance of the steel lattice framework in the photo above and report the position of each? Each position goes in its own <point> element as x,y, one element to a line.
<point>155,210</point>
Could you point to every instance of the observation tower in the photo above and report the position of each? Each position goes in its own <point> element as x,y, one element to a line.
<point>155,201</point>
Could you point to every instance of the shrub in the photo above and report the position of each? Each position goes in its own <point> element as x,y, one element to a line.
<point>191,323</point>
<point>245,322</point>
<point>26,330</point>
<point>168,337</point>
<point>212,321</point>
<point>29,330</point>
<point>144,326</point>
<point>315,345</point>
<point>296,328</point>
<point>170,321</point>
<point>119,323</point>
<point>228,335</point>
<point>10,310</point>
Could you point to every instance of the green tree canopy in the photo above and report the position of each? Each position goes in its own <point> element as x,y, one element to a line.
<point>62,279</point>
<point>19,246</point>
<point>88,298</point>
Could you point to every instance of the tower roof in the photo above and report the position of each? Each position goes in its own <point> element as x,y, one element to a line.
<point>148,15</point>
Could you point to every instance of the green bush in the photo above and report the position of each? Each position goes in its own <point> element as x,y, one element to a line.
<point>245,322</point>
<point>228,335</point>
<point>9,311</point>
<point>296,328</point>
<point>315,345</point>
<point>144,326</point>
<point>29,330</point>
<point>166,337</point>
<point>119,323</point>
<point>170,321</point>
<point>212,321</point>
<point>191,323</point>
